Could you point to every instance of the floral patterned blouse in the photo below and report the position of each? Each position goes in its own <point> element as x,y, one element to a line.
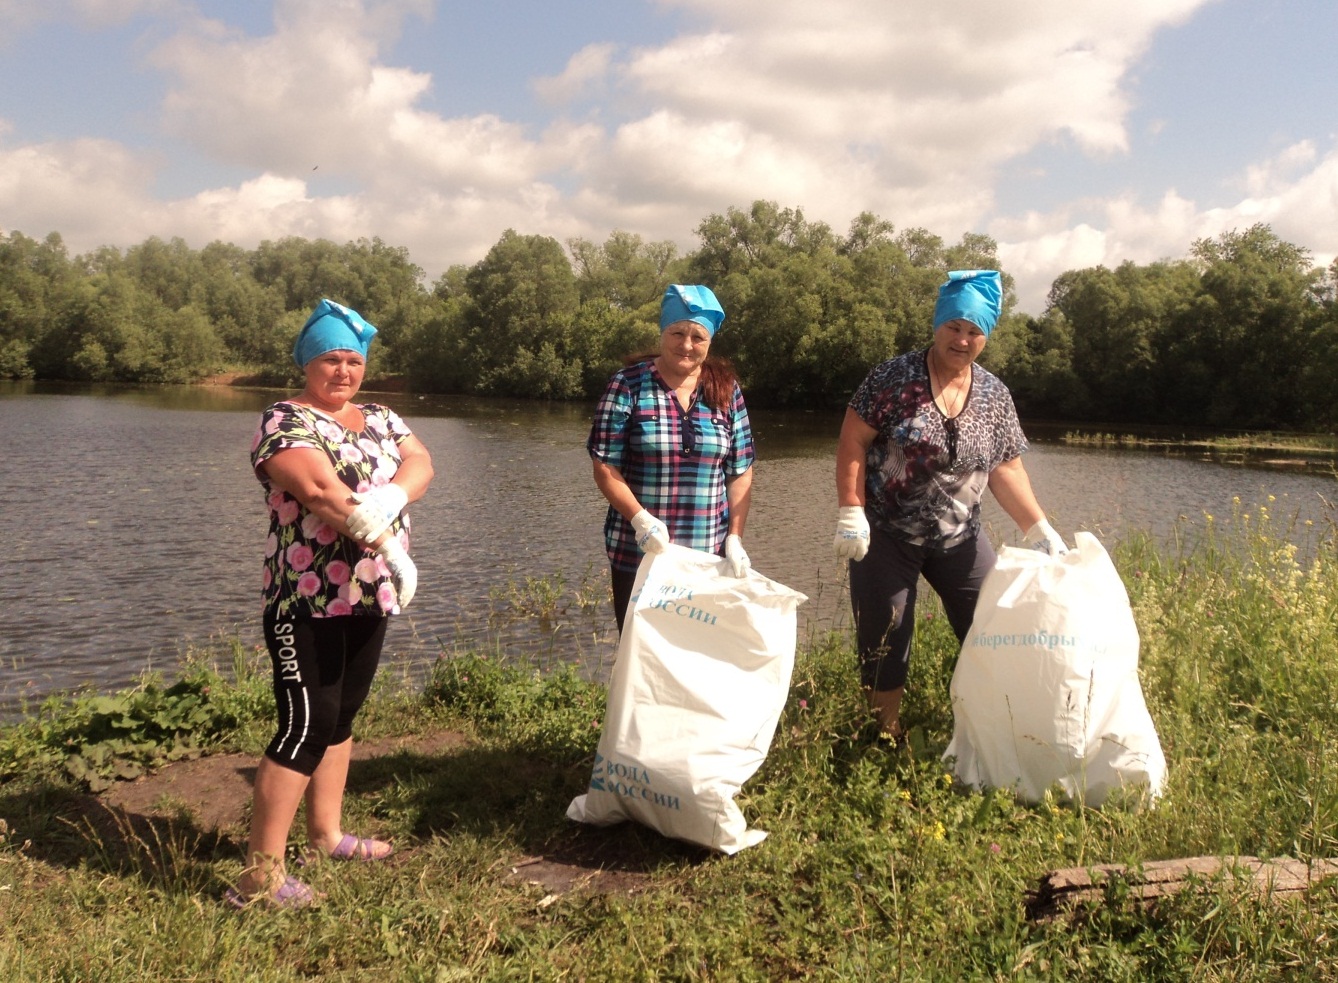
<point>310,569</point>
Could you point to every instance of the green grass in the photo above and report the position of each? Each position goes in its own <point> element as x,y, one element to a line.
<point>877,866</point>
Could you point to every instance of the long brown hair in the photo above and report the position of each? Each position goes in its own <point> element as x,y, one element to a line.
<point>717,380</point>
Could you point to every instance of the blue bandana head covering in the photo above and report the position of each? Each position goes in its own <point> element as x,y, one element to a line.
<point>332,327</point>
<point>971,295</point>
<point>691,303</point>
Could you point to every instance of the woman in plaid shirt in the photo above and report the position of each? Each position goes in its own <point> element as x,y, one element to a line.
<point>672,447</point>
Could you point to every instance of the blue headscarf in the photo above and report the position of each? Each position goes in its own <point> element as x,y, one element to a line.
<point>332,327</point>
<point>691,303</point>
<point>972,295</point>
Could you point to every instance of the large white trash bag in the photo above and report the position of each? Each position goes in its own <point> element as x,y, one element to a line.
<point>702,674</point>
<point>1046,689</point>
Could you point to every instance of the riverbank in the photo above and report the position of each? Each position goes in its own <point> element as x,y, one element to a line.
<point>250,379</point>
<point>877,866</point>
<point>1310,452</point>
<point>1268,448</point>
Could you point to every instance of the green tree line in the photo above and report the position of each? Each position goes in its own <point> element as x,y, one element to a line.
<point>1240,334</point>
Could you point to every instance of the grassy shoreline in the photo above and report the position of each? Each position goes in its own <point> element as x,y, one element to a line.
<point>876,867</point>
<point>1284,447</point>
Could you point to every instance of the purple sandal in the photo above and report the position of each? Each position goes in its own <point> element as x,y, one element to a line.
<point>350,847</point>
<point>357,848</point>
<point>292,893</point>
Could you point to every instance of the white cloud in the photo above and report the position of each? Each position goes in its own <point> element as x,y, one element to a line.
<point>93,192</point>
<point>1036,248</point>
<point>314,94</point>
<point>20,15</point>
<point>908,111</point>
<point>1271,175</point>
<point>850,106</point>
<point>848,70</point>
<point>17,16</point>
<point>585,70</point>
<point>1300,208</point>
<point>1297,194</point>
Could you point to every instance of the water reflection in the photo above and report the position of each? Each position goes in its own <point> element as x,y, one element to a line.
<point>137,525</point>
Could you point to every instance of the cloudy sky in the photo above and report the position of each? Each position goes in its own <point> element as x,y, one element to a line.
<point>1074,132</point>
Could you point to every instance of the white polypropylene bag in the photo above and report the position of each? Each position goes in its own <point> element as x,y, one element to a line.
<point>1046,689</point>
<point>702,674</point>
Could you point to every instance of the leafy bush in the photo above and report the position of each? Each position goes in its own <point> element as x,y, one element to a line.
<point>555,712</point>
<point>97,739</point>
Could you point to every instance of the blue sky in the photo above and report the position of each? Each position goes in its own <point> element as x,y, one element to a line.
<point>1073,132</point>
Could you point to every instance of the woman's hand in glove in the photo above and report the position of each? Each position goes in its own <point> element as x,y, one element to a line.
<point>1043,537</point>
<point>376,510</point>
<point>739,564</point>
<point>403,571</point>
<point>852,533</point>
<point>651,534</point>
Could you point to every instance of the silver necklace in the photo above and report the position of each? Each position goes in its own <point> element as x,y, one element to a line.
<point>948,404</point>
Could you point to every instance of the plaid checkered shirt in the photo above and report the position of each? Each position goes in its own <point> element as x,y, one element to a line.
<point>675,460</point>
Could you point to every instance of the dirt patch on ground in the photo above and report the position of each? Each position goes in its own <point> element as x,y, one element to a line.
<point>559,878</point>
<point>618,859</point>
<point>214,793</point>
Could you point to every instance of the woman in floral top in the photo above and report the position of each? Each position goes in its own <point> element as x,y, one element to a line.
<point>924,436</point>
<point>310,569</point>
<point>337,476</point>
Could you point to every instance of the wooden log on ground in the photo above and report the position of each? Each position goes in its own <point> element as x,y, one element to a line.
<point>1063,890</point>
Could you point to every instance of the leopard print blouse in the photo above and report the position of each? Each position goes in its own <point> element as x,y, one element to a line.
<point>925,475</point>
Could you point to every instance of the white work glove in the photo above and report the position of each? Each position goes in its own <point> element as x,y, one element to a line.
<point>376,510</point>
<point>651,534</point>
<point>1043,537</point>
<point>852,533</point>
<point>403,571</point>
<point>737,556</point>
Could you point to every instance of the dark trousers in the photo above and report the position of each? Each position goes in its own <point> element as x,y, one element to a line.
<point>882,596</point>
<point>323,670</point>
<point>623,582</point>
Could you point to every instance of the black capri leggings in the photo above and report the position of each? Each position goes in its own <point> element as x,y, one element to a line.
<point>882,598</point>
<point>622,581</point>
<point>323,670</point>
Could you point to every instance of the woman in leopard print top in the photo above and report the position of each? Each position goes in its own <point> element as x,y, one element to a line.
<point>923,437</point>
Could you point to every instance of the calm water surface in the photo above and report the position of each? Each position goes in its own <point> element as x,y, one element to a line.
<point>136,525</point>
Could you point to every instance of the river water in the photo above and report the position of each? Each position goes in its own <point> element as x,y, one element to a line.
<point>135,526</point>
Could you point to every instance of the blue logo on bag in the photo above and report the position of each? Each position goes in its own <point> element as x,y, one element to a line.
<point>1039,639</point>
<point>678,601</point>
<point>629,781</point>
